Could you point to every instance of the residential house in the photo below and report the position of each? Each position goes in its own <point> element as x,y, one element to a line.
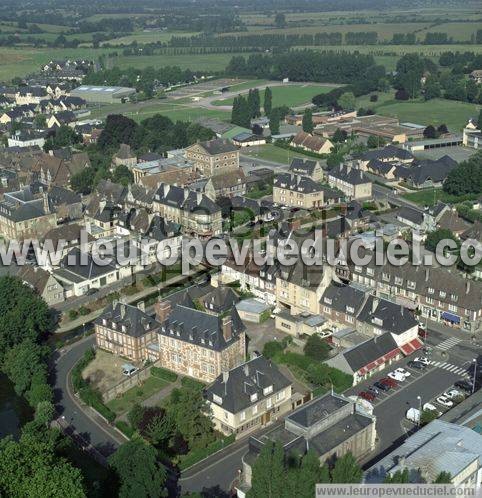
<point>27,138</point>
<point>30,95</point>
<point>311,143</point>
<point>214,157</point>
<point>426,173</point>
<point>48,288</point>
<point>57,170</point>
<point>440,294</point>
<point>194,211</point>
<point>79,273</point>
<point>306,167</point>
<point>248,397</point>
<point>302,192</point>
<point>199,344</point>
<point>61,118</point>
<point>126,330</point>
<point>351,181</point>
<point>226,185</point>
<point>24,215</point>
<point>124,156</point>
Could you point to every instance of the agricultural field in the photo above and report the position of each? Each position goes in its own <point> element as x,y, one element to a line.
<point>293,95</point>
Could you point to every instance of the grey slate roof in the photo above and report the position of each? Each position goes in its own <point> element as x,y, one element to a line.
<point>394,318</point>
<point>136,322</point>
<point>186,199</point>
<point>362,354</point>
<point>410,214</point>
<point>421,171</point>
<point>349,174</point>
<point>244,381</point>
<point>72,264</point>
<point>218,146</point>
<point>304,167</point>
<point>197,327</point>
<point>341,297</point>
<point>317,410</point>
<point>388,152</point>
<point>297,183</point>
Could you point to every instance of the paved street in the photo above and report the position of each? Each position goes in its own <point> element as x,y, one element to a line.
<point>89,425</point>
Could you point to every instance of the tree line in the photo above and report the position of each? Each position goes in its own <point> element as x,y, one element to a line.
<point>306,65</point>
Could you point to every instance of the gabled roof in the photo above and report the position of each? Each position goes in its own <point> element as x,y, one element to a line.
<point>297,183</point>
<point>387,153</point>
<point>369,351</point>
<point>343,298</point>
<point>386,315</point>
<point>349,174</point>
<point>244,385</point>
<point>218,146</point>
<point>185,199</point>
<point>301,166</point>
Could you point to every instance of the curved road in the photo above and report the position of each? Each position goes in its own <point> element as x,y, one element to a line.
<point>86,423</point>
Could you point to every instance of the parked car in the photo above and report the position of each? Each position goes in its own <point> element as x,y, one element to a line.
<point>417,365</point>
<point>413,415</point>
<point>423,359</point>
<point>465,385</point>
<point>403,372</point>
<point>366,395</point>
<point>382,386</point>
<point>396,376</point>
<point>432,408</point>
<point>444,401</point>
<point>454,394</point>
<point>389,381</point>
<point>374,390</point>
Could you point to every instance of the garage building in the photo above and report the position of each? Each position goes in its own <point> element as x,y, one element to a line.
<point>102,94</point>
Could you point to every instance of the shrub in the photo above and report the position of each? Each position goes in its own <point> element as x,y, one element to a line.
<point>73,314</point>
<point>316,348</point>
<point>125,428</point>
<point>164,374</point>
<point>84,311</point>
<point>272,349</point>
<point>192,384</point>
<point>197,455</point>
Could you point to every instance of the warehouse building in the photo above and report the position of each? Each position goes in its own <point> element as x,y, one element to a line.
<point>103,94</point>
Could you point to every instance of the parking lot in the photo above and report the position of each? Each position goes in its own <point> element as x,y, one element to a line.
<point>390,407</point>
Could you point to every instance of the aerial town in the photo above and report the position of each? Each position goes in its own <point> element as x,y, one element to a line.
<point>200,288</point>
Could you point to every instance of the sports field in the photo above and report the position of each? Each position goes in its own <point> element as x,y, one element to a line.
<point>437,111</point>
<point>288,95</point>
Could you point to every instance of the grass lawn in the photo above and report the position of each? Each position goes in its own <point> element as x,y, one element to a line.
<point>290,95</point>
<point>136,395</point>
<point>437,111</point>
<point>270,152</point>
<point>429,197</point>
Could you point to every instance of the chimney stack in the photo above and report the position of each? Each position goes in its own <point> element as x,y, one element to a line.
<point>374,305</point>
<point>467,287</point>
<point>163,310</point>
<point>199,197</point>
<point>141,305</point>
<point>122,310</point>
<point>165,189</point>
<point>227,325</point>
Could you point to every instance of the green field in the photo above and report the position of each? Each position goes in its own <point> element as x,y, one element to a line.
<point>437,111</point>
<point>290,95</point>
<point>270,152</point>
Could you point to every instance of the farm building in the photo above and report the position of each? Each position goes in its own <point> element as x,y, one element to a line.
<point>103,94</point>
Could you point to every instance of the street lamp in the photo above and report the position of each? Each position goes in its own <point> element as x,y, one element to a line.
<point>419,410</point>
<point>475,374</point>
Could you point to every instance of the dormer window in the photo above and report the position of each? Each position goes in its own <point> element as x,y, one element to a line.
<point>254,397</point>
<point>443,294</point>
<point>431,290</point>
<point>267,390</point>
<point>104,321</point>
<point>217,399</point>
<point>114,326</point>
<point>377,321</point>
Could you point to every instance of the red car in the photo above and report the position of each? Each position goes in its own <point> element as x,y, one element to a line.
<point>366,395</point>
<point>389,382</point>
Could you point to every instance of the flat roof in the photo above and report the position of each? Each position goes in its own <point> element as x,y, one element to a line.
<point>102,89</point>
